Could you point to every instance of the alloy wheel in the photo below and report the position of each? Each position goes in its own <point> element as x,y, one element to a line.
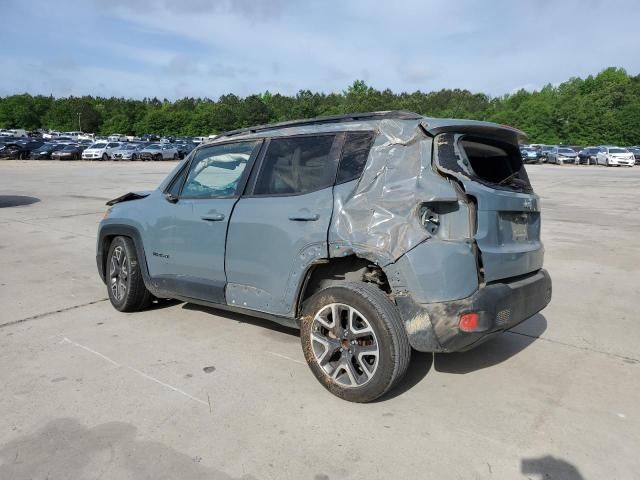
<point>119,273</point>
<point>344,345</point>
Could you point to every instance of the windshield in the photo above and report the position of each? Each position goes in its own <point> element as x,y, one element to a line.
<point>617,150</point>
<point>98,145</point>
<point>128,147</point>
<point>155,146</point>
<point>567,151</point>
<point>69,148</point>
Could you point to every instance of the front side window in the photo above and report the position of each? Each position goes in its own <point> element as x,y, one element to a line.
<point>297,165</point>
<point>216,171</point>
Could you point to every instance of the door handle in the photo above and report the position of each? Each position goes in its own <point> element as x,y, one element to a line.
<point>304,217</point>
<point>214,217</point>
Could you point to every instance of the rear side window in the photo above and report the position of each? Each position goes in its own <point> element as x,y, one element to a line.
<point>486,160</point>
<point>354,156</point>
<point>296,165</point>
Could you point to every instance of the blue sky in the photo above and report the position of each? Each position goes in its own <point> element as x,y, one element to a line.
<point>176,48</point>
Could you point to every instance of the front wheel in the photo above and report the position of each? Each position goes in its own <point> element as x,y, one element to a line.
<point>354,341</point>
<point>104,157</point>
<point>125,285</point>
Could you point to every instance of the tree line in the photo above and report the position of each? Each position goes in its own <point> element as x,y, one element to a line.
<point>600,109</point>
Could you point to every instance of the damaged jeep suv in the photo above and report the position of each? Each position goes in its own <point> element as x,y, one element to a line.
<point>373,233</point>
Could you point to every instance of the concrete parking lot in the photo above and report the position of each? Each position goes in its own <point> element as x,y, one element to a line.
<point>186,392</point>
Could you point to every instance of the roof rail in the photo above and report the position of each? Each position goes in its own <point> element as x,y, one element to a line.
<point>390,114</point>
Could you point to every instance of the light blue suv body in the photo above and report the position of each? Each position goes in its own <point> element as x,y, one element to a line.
<point>439,214</point>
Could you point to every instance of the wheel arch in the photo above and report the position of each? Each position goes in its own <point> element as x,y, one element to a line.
<point>106,234</point>
<point>336,271</point>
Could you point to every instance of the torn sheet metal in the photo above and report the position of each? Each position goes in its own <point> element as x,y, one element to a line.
<point>377,217</point>
<point>128,197</point>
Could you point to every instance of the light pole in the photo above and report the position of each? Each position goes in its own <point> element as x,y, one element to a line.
<point>79,126</point>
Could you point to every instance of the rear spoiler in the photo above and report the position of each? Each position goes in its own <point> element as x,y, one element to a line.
<point>435,126</point>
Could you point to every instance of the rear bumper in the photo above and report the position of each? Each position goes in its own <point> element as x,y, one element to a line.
<point>500,306</point>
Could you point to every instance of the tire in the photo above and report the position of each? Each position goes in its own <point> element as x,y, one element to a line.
<point>104,157</point>
<point>176,156</point>
<point>125,284</point>
<point>336,363</point>
<point>134,157</point>
<point>158,157</point>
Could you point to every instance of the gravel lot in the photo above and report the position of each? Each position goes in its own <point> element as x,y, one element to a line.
<point>189,393</point>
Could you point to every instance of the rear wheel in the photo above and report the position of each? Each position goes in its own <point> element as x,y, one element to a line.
<point>354,341</point>
<point>125,285</point>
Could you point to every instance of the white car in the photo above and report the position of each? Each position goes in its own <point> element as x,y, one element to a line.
<point>158,151</point>
<point>100,151</point>
<point>612,156</point>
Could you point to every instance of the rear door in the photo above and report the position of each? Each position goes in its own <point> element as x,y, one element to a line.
<point>213,183</point>
<point>281,225</point>
<point>507,211</point>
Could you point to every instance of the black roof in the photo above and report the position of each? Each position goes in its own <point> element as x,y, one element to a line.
<point>391,114</point>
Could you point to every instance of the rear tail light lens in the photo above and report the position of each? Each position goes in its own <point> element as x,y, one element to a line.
<point>469,322</point>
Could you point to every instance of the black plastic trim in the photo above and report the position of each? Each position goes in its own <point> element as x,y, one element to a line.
<point>521,298</point>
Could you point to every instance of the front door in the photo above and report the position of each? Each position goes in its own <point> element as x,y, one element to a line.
<point>215,179</point>
<point>280,227</point>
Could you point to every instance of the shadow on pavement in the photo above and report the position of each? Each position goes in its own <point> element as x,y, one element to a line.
<point>494,351</point>
<point>420,365</point>
<point>550,467</point>
<point>16,200</point>
<point>64,448</point>
<point>242,318</point>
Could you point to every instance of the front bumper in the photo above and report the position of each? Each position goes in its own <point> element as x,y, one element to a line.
<point>500,306</point>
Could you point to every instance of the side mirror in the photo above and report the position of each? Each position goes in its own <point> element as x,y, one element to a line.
<point>171,198</point>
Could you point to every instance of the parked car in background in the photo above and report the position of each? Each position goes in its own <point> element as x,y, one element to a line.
<point>562,155</point>
<point>157,151</point>
<point>117,137</point>
<point>184,148</point>
<point>544,151</point>
<point>636,154</point>
<point>588,155</point>
<point>615,156</point>
<point>20,149</point>
<point>128,151</point>
<point>44,151</point>
<point>529,155</point>
<point>100,151</point>
<point>69,152</point>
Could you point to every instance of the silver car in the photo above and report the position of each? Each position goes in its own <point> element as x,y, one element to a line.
<point>159,151</point>
<point>562,155</point>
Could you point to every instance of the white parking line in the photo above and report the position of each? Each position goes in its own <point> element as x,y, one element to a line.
<point>286,358</point>
<point>134,370</point>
